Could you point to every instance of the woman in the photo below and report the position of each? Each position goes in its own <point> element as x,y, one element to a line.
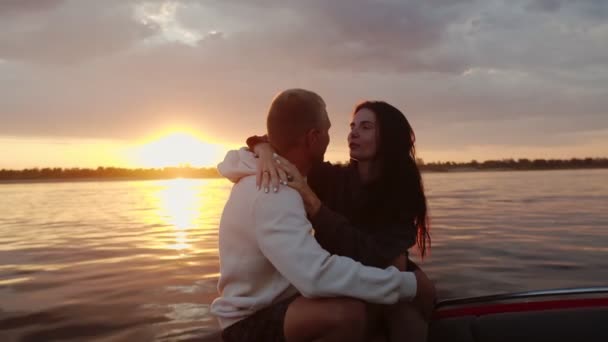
<point>372,209</point>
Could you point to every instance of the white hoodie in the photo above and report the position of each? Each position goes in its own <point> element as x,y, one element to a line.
<point>267,253</point>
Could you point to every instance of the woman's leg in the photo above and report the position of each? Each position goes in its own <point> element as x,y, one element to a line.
<point>405,321</point>
<point>425,312</point>
<point>327,319</point>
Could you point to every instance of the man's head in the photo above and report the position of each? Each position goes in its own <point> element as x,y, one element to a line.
<point>298,124</point>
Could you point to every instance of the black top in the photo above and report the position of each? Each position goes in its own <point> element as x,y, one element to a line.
<point>353,223</point>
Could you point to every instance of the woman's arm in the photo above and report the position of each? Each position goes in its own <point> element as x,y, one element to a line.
<point>322,177</point>
<point>338,235</point>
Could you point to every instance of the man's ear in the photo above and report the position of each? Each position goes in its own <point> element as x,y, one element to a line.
<point>312,137</point>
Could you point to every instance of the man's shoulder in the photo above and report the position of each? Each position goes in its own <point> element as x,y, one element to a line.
<point>283,210</point>
<point>284,201</point>
<point>284,195</point>
<point>247,180</point>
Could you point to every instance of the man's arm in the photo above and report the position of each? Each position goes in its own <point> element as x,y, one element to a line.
<point>284,236</point>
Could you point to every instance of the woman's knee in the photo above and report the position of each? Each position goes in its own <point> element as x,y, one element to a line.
<point>329,309</point>
<point>349,311</point>
<point>408,311</point>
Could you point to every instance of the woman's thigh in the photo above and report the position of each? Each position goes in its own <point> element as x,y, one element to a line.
<point>309,319</point>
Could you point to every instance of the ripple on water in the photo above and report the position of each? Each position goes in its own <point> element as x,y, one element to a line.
<point>137,261</point>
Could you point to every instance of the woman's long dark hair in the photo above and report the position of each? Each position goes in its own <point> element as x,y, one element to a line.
<point>400,182</point>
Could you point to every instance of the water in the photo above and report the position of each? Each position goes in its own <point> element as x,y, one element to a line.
<point>137,261</point>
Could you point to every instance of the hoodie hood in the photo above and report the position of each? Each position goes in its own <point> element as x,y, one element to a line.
<point>238,164</point>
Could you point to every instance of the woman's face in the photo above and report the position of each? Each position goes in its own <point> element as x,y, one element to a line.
<point>363,137</point>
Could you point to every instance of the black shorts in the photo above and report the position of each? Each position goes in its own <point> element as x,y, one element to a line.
<point>264,325</point>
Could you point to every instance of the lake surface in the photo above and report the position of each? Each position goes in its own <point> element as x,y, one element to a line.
<point>137,261</point>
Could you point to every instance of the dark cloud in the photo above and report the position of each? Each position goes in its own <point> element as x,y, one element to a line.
<point>71,32</point>
<point>389,36</point>
<point>597,9</point>
<point>545,5</point>
<point>13,7</point>
<point>590,9</point>
<point>395,36</point>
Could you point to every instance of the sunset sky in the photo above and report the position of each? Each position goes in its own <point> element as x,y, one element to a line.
<point>87,83</point>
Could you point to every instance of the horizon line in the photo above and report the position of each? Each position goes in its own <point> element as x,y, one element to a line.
<point>420,161</point>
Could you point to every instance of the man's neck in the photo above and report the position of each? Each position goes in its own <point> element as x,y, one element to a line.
<point>300,160</point>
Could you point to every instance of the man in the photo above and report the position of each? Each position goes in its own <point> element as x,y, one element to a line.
<point>276,282</point>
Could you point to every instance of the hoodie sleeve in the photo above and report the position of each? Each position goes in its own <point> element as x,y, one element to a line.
<point>238,164</point>
<point>284,237</point>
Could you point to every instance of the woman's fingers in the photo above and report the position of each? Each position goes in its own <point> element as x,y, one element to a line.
<point>286,165</point>
<point>283,177</point>
<point>290,171</point>
<point>293,176</point>
<point>258,174</point>
<point>270,177</point>
<point>280,160</point>
<point>274,177</point>
<point>265,180</point>
<point>265,170</point>
<point>275,171</point>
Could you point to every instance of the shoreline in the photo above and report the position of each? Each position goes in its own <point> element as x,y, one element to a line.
<point>92,179</point>
<point>126,179</point>
<point>468,169</point>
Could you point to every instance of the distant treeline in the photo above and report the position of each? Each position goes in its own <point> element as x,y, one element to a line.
<point>190,172</point>
<point>108,172</point>
<point>519,164</point>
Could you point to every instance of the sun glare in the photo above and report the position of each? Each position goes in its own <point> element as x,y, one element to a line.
<point>180,212</point>
<point>177,149</point>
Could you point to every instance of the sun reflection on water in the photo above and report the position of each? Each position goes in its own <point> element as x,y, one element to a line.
<point>180,215</point>
<point>179,206</point>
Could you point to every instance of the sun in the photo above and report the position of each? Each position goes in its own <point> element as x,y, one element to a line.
<point>177,149</point>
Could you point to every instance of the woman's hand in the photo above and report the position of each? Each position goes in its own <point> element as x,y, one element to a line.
<point>296,181</point>
<point>267,172</point>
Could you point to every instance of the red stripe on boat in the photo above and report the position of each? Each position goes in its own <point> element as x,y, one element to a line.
<point>521,307</point>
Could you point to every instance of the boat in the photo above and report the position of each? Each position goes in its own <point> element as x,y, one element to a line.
<point>579,314</point>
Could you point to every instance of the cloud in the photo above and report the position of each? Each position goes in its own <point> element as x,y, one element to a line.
<point>69,32</point>
<point>163,15</point>
<point>13,7</point>
<point>516,72</point>
<point>353,36</point>
<point>594,9</point>
<point>545,5</point>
